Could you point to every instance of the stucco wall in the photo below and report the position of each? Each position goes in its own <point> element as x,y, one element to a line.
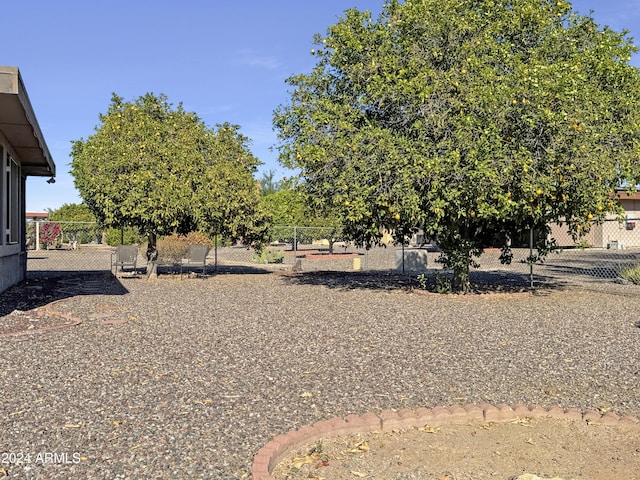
<point>11,267</point>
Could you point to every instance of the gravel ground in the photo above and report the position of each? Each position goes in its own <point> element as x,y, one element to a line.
<point>189,378</point>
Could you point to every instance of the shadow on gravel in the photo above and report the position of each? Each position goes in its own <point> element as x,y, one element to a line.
<point>370,280</point>
<point>211,270</point>
<point>240,269</point>
<point>481,281</point>
<point>609,271</point>
<point>42,288</point>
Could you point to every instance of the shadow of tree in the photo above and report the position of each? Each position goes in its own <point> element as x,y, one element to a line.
<point>481,281</point>
<point>214,270</point>
<point>370,280</point>
<point>610,272</point>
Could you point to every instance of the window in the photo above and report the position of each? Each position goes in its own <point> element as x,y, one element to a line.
<point>3,207</point>
<point>12,204</point>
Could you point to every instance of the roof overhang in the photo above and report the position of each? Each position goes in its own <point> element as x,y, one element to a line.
<point>19,126</point>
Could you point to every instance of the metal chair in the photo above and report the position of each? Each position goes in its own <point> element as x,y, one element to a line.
<point>124,256</point>
<point>197,257</point>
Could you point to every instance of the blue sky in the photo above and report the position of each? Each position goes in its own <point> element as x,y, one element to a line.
<point>227,61</point>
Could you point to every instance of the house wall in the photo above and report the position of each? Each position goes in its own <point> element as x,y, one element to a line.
<point>631,206</point>
<point>11,266</point>
<point>611,233</point>
<point>12,222</point>
<point>23,153</point>
<point>564,239</point>
<point>626,233</point>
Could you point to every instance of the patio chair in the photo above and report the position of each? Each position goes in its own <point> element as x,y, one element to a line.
<point>197,257</point>
<point>124,256</point>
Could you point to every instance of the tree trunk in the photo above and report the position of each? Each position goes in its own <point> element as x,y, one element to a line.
<point>152,256</point>
<point>461,279</point>
<point>458,260</point>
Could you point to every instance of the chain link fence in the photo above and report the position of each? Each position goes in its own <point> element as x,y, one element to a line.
<point>607,254</point>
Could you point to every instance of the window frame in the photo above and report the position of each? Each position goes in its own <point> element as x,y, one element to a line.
<point>12,197</point>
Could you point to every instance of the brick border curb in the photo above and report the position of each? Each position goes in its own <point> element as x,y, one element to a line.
<point>47,309</point>
<point>274,451</point>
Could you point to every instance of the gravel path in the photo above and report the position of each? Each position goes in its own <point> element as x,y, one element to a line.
<point>189,378</point>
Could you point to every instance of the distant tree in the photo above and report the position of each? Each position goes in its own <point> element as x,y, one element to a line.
<point>123,236</point>
<point>268,183</point>
<point>160,169</point>
<point>72,212</point>
<point>286,207</point>
<point>291,206</point>
<point>465,118</point>
<point>79,223</point>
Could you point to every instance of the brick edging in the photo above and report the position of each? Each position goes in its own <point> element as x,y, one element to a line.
<point>47,309</point>
<point>274,451</point>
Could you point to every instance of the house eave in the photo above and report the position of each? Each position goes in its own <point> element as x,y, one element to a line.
<point>19,126</point>
<point>622,194</point>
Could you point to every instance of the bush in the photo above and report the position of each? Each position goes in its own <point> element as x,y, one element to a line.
<point>442,283</point>
<point>173,248</point>
<point>50,234</point>
<point>631,274</point>
<point>269,255</point>
<point>114,236</point>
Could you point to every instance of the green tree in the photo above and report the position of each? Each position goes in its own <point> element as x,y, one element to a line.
<point>291,206</point>
<point>78,223</point>
<point>72,212</point>
<point>465,118</point>
<point>160,169</point>
<point>268,183</point>
<point>287,207</point>
<point>122,236</point>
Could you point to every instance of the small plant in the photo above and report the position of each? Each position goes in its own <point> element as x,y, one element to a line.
<point>631,274</point>
<point>317,448</point>
<point>269,255</point>
<point>443,283</point>
<point>583,244</point>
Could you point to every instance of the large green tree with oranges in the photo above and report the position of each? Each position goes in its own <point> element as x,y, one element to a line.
<point>160,168</point>
<point>465,118</point>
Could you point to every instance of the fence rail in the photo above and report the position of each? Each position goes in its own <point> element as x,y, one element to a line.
<point>602,257</point>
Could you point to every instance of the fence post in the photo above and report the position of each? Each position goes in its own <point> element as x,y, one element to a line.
<point>295,244</point>
<point>215,253</point>
<point>531,256</point>
<point>37,235</point>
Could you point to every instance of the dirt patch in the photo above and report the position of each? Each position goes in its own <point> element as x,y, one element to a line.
<point>43,319</point>
<point>526,448</point>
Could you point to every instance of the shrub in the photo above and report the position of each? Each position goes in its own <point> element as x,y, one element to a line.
<point>269,255</point>
<point>50,234</point>
<point>444,284</point>
<point>114,236</point>
<point>583,244</point>
<point>631,274</point>
<point>173,248</point>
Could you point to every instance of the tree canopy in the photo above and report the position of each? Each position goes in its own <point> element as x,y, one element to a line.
<point>79,224</point>
<point>269,184</point>
<point>465,118</point>
<point>161,169</point>
<point>72,212</point>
